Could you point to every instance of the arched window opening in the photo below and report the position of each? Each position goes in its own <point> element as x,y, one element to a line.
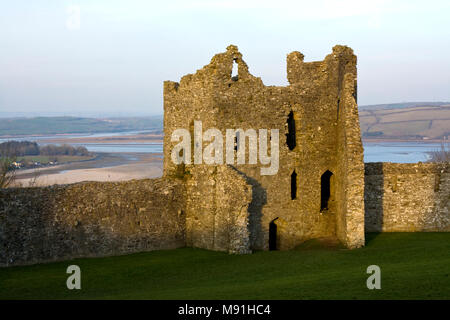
<point>290,136</point>
<point>294,185</point>
<point>234,71</point>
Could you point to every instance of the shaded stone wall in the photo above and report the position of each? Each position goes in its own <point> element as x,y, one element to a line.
<point>350,170</point>
<point>407,197</point>
<point>90,219</point>
<point>217,214</point>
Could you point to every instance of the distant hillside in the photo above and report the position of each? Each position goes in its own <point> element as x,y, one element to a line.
<point>61,125</point>
<point>401,105</point>
<point>409,120</point>
<point>400,121</point>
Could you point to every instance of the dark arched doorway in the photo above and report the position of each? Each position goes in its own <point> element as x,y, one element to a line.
<point>273,235</point>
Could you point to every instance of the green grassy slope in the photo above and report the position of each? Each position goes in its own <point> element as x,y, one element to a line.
<point>413,266</point>
<point>412,120</point>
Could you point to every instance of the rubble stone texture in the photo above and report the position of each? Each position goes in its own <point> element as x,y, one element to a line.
<point>233,208</point>
<point>321,97</point>
<point>90,219</point>
<point>404,197</point>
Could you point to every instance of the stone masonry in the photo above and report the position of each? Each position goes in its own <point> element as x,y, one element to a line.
<point>321,189</point>
<point>407,197</point>
<point>317,112</point>
<point>90,219</point>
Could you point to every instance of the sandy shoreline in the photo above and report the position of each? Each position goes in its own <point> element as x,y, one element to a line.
<point>106,167</point>
<point>138,138</point>
<point>117,166</point>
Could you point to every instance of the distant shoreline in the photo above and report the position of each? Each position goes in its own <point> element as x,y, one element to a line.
<point>105,167</point>
<point>374,140</point>
<point>158,138</point>
<point>75,139</point>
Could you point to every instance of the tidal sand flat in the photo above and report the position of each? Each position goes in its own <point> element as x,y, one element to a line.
<point>105,167</point>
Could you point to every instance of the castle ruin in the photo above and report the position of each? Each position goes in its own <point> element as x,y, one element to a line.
<point>319,188</point>
<point>322,189</point>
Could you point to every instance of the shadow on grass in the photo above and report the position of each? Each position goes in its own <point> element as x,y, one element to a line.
<point>320,244</point>
<point>371,236</point>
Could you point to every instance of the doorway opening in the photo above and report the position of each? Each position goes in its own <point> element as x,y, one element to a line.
<point>273,235</point>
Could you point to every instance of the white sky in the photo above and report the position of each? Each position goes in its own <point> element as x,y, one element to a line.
<point>122,51</point>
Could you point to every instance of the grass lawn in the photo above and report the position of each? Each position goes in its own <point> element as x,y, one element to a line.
<point>413,266</point>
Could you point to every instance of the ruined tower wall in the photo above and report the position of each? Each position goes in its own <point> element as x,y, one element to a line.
<point>350,184</point>
<point>217,195</point>
<point>407,197</point>
<point>245,103</point>
<point>90,219</point>
<point>334,82</point>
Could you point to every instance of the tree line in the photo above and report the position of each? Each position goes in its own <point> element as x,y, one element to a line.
<point>27,148</point>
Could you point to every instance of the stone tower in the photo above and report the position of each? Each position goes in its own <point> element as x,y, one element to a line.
<point>318,190</point>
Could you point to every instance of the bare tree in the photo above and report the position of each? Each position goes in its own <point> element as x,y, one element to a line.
<point>7,171</point>
<point>33,181</point>
<point>441,155</point>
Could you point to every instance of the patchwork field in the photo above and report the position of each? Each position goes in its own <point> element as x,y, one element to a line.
<point>425,122</point>
<point>413,266</point>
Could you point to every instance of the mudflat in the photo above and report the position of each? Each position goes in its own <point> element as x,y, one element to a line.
<point>104,167</point>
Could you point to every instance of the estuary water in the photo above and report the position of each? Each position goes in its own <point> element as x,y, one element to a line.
<point>401,152</point>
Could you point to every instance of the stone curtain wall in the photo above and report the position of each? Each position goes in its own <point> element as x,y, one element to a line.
<point>103,218</point>
<point>407,197</point>
<point>90,219</point>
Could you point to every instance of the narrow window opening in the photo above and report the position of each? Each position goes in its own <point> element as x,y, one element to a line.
<point>290,136</point>
<point>234,71</point>
<point>325,190</point>
<point>273,235</point>
<point>236,141</point>
<point>293,185</point>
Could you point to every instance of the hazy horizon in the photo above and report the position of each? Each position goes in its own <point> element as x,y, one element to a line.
<point>114,61</point>
<point>118,114</point>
